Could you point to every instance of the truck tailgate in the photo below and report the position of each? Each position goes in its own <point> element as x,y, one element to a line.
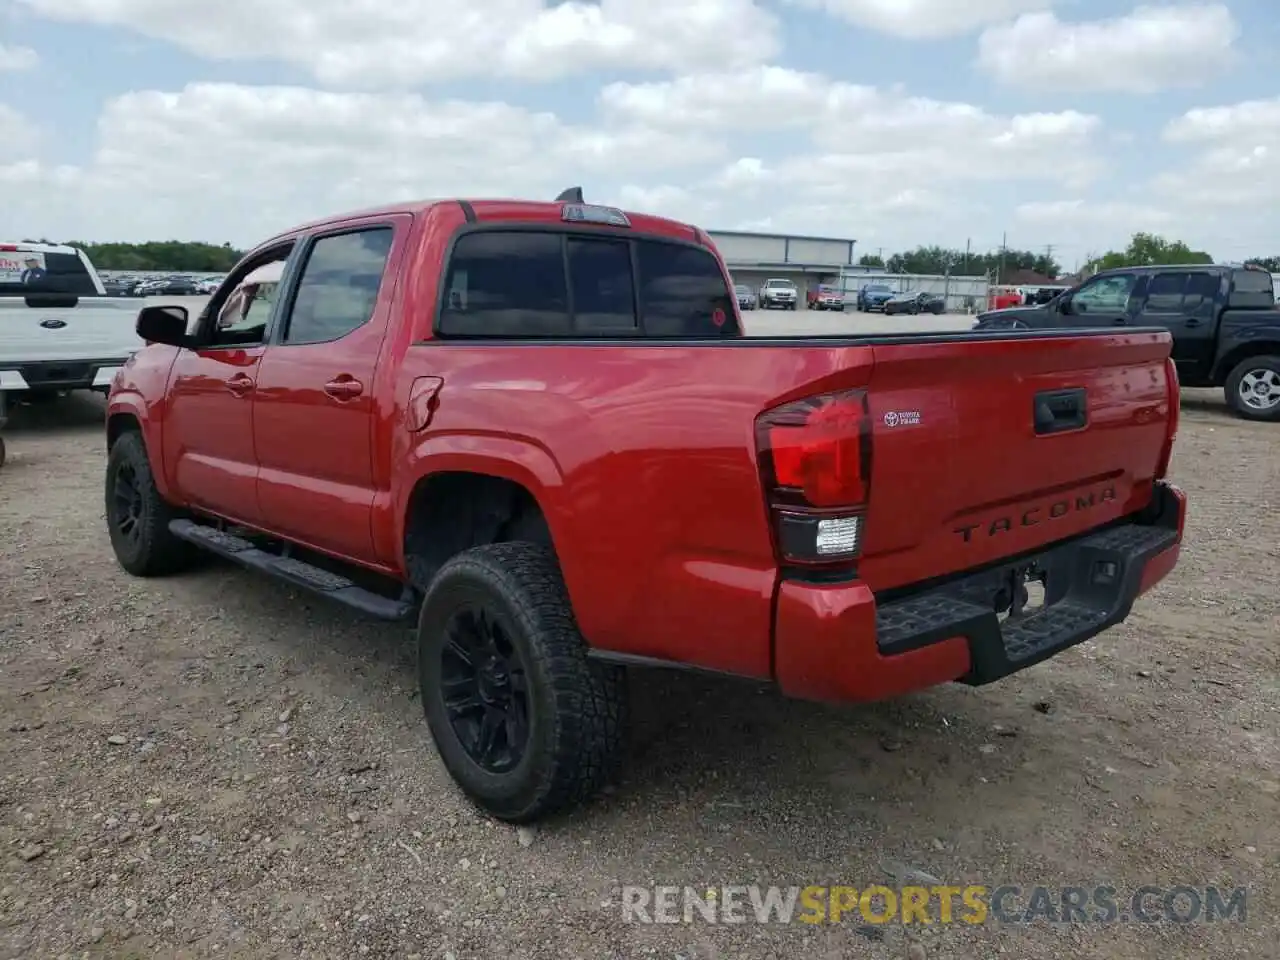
<point>94,329</point>
<point>978,453</point>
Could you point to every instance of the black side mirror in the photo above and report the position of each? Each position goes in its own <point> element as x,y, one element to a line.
<point>166,325</point>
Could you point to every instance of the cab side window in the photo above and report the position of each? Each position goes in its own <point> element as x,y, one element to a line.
<point>339,286</point>
<point>243,316</point>
<point>1108,294</point>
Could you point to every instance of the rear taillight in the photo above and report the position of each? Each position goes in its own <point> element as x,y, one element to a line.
<point>1175,408</point>
<point>815,464</point>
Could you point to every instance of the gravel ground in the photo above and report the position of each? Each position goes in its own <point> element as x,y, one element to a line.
<point>214,765</point>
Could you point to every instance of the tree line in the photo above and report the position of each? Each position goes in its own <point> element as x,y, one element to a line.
<point>159,256</point>
<point>1144,249</point>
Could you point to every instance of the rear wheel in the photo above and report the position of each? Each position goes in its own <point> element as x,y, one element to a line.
<point>525,723</point>
<point>1253,388</point>
<point>138,517</point>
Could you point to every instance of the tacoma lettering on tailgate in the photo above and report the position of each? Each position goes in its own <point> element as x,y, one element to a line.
<point>1038,514</point>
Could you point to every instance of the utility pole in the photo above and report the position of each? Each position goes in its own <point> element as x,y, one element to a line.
<point>1004,246</point>
<point>968,242</point>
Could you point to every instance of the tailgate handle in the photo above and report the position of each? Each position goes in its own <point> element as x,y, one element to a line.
<point>1059,410</point>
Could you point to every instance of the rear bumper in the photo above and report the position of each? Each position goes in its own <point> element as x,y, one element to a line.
<point>60,374</point>
<point>839,642</point>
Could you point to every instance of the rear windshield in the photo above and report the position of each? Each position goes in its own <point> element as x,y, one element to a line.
<point>877,288</point>
<point>527,283</point>
<point>23,273</point>
<point>1252,290</point>
<point>1252,281</point>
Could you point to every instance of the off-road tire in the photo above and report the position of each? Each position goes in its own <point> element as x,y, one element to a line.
<point>1231,389</point>
<point>577,707</point>
<point>154,551</point>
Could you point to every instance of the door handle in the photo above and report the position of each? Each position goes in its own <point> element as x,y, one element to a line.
<point>344,388</point>
<point>1119,321</point>
<point>1054,411</point>
<point>240,384</point>
<point>1193,323</point>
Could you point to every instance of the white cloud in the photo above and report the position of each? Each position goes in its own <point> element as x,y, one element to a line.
<point>1236,164</point>
<point>1219,191</point>
<point>365,44</point>
<point>18,136</point>
<point>17,59</point>
<point>1147,50</point>
<point>222,161</point>
<point>862,137</point>
<point>230,162</point>
<point>923,19</point>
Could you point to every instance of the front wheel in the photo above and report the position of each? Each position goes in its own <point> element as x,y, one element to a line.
<point>525,723</point>
<point>1253,389</point>
<point>138,517</point>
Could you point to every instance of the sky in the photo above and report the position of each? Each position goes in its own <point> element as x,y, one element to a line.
<point>1062,125</point>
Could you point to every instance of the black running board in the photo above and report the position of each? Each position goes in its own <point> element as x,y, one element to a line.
<point>292,571</point>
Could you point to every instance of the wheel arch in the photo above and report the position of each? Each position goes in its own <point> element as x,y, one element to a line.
<point>452,510</point>
<point>1244,351</point>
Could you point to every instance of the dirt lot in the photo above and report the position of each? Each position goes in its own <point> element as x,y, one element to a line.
<point>214,766</point>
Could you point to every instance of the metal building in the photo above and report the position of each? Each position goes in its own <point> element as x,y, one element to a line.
<point>753,258</point>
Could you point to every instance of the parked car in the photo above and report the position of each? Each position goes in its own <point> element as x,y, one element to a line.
<point>826,297</point>
<point>779,294</point>
<point>433,427</point>
<point>873,296</point>
<point>172,287</point>
<point>1223,318</point>
<point>746,299</point>
<point>916,301</point>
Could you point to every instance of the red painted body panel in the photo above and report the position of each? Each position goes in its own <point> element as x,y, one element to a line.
<point>209,454</point>
<point>643,459</point>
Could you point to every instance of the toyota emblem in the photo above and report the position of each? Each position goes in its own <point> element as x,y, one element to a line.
<point>53,323</point>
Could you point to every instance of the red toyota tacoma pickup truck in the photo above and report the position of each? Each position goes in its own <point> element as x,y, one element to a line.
<point>538,427</point>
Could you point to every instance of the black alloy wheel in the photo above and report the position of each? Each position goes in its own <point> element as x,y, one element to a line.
<point>127,507</point>
<point>486,692</point>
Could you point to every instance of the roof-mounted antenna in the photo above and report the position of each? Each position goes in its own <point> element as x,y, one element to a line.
<point>572,195</point>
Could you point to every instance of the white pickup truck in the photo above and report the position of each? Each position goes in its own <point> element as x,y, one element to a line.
<point>58,329</point>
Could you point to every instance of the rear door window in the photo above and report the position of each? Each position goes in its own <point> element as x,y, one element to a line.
<point>25,272</point>
<point>527,283</point>
<point>1202,290</point>
<point>1165,293</point>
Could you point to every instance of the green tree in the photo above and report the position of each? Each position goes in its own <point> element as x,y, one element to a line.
<point>940,260</point>
<point>1148,250</point>
<point>871,260</point>
<point>175,255</point>
<point>1266,263</point>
